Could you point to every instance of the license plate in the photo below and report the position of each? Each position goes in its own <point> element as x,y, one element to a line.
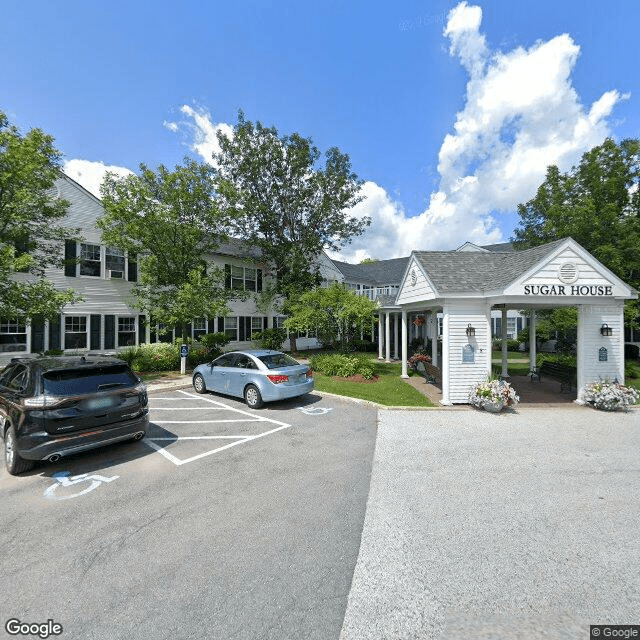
<point>99,403</point>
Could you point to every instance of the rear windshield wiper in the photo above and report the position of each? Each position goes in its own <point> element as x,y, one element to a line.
<point>110,385</point>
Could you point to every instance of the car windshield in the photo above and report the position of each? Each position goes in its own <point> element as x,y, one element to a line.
<point>278,360</point>
<point>69,382</point>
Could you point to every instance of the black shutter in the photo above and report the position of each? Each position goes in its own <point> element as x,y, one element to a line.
<point>132,270</point>
<point>519,324</point>
<point>95,329</point>
<point>54,333</point>
<point>241,327</point>
<point>227,276</point>
<point>259,280</point>
<point>69,259</point>
<point>37,336</point>
<point>142,334</point>
<point>498,327</point>
<point>220,324</point>
<point>265,322</point>
<point>109,332</point>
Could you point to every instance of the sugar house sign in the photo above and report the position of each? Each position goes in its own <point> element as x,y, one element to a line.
<point>568,290</point>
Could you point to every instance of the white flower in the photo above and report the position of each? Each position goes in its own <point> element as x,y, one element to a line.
<point>608,396</point>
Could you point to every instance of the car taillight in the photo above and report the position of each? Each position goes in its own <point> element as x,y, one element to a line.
<point>41,402</point>
<point>278,379</point>
<point>309,373</point>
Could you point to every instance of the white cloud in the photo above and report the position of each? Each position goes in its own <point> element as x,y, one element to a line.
<point>91,174</point>
<point>201,130</point>
<point>521,114</point>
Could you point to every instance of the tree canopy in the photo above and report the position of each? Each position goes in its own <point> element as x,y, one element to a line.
<point>284,201</point>
<point>169,219</point>
<point>596,203</point>
<point>30,229</point>
<point>336,313</point>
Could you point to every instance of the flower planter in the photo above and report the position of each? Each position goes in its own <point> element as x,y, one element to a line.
<point>493,407</point>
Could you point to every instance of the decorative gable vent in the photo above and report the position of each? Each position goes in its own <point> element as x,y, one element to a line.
<point>568,273</point>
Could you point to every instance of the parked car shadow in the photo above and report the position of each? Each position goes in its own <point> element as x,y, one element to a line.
<point>104,457</point>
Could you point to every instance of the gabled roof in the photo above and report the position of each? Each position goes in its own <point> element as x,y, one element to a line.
<point>462,271</point>
<point>380,272</point>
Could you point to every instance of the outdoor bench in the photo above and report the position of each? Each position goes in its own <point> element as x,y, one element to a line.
<point>429,372</point>
<point>562,372</point>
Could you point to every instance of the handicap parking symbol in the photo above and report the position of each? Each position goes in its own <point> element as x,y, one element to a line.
<point>315,411</point>
<point>65,479</point>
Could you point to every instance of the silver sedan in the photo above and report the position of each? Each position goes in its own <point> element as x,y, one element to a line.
<point>257,375</point>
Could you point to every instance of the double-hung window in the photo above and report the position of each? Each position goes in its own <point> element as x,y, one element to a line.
<point>231,327</point>
<point>75,332</point>
<point>90,262</point>
<point>243,278</point>
<point>114,263</point>
<point>126,331</point>
<point>13,335</point>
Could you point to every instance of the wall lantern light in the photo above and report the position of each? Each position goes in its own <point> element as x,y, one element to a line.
<point>606,330</point>
<point>470,331</point>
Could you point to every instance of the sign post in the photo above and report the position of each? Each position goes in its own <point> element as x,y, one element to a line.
<point>184,352</point>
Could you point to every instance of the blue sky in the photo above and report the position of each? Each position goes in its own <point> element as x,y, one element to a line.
<point>449,111</point>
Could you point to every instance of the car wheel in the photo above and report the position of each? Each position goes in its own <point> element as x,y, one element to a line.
<point>252,397</point>
<point>198,384</point>
<point>15,464</point>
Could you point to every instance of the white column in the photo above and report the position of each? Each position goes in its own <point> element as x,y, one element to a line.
<point>434,338</point>
<point>445,356</point>
<point>397,327</point>
<point>387,337</point>
<point>404,345</point>
<point>505,364</point>
<point>380,335</point>
<point>532,341</point>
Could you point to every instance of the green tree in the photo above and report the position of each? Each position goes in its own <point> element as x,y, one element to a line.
<point>30,231</point>
<point>596,203</point>
<point>335,312</point>
<point>286,202</point>
<point>170,220</point>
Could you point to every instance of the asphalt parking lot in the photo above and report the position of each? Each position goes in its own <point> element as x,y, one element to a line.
<point>223,523</point>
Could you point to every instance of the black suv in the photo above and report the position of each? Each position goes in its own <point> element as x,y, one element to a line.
<point>51,407</point>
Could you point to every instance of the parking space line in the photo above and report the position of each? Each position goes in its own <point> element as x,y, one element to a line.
<point>240,439</point>
<point>202,421</point>
<point>187,408</point>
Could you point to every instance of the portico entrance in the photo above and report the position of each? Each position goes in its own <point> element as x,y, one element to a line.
<point>466,285</point>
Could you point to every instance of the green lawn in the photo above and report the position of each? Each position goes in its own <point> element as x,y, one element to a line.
<point>389,389</point>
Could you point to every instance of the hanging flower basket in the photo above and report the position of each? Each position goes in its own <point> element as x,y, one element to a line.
<point>418,357</point>
<point>608,396</point>
<point>493,396</point>
<point>419,321</point>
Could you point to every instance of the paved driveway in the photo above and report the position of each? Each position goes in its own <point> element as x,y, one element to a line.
<point>523,525</point>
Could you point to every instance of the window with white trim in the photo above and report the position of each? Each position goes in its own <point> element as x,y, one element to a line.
<point>90,262</point>
<point>231,327</point>
<point>126,331</point>
<point>256,324</point>
<point>114,263</point>
<point>75,332</point>
<point>243,278</point>
<point>199,327</point>
<point>13,335</point>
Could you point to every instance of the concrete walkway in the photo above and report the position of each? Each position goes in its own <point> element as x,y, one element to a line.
<point>502,527</point>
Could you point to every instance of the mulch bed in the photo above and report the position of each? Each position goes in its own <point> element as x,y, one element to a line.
<point>356,378</point>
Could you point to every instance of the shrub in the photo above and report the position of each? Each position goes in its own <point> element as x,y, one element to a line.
<point>365,345</point>
<point>558,358</point>
<point>154,357</point>
<point>342,365</point>
<point>631,370</point>
<point>271,338</point>
<point>631,351</point>
<point>214,341</point>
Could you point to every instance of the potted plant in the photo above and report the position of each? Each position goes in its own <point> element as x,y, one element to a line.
<point>608,396</point>
<point>493,395</point>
